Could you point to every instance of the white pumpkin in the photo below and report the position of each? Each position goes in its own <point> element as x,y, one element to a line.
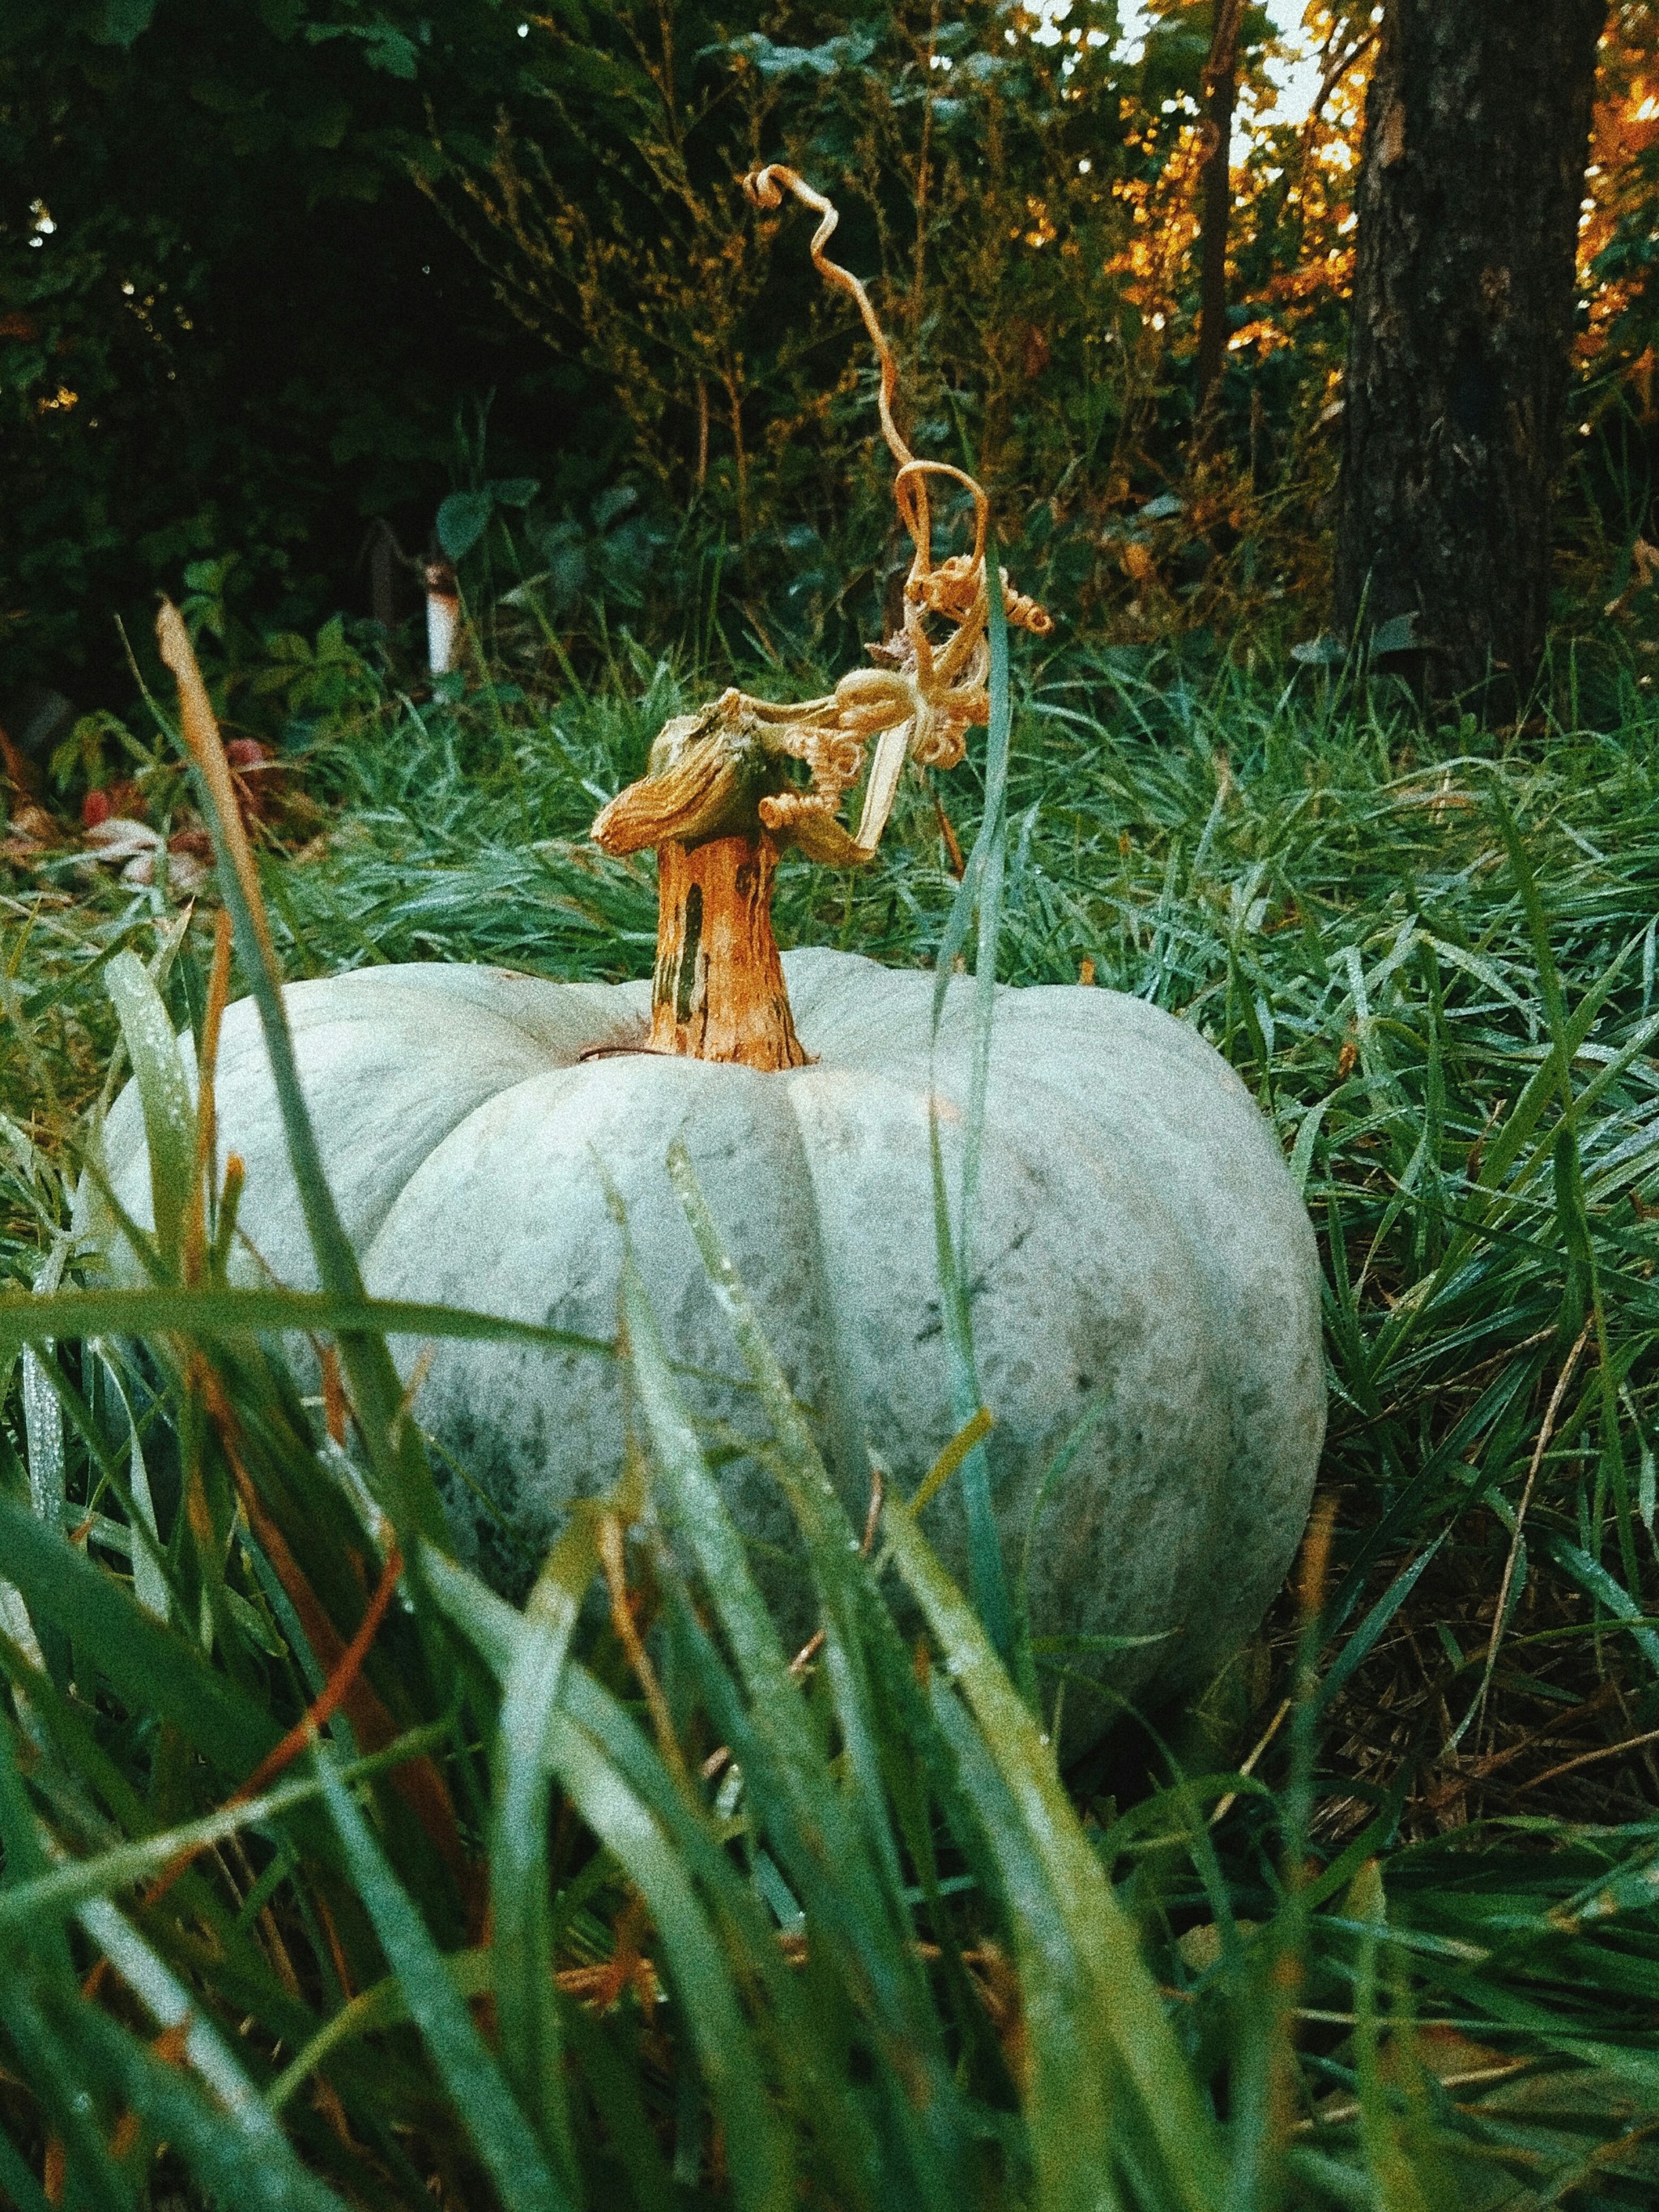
<point>1136,1234</point>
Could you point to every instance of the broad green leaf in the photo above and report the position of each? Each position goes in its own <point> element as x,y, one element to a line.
<point>463,520</point>
<point>125,21</point>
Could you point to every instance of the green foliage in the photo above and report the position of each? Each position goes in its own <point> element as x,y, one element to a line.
<point>258,261</point>
<point>229,319</point>
<point>218,326</point>
<point>270,681</point>
<point>975,170</point>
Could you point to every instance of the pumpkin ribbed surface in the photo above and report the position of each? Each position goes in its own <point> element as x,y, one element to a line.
<point>1136,1234</point>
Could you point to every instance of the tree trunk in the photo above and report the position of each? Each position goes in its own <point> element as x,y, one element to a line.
<point>1221,96</point>
<point>1477,134</point>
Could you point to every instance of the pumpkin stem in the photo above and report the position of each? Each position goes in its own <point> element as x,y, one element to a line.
<point>718,991</point>
<point>721,791</point>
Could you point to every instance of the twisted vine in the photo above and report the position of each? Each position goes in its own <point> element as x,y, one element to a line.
<point>722,770</point>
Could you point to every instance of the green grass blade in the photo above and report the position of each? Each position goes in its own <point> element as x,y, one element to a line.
<point>381,2006</point>
<point>172,2005</point>
<point>47,1466</point>
<point>54,2069</point>
<point>697,1504</point>
<point>153,1669</point>
<point>64,1888</point>
<point>1070,2096</point>
<point>986,1572</point>
<point>1365,1637</point>
<point>73,1315</point>
<point>500,2132</point>
<point>782,1754</point>
<point>526,2000</point>
<point>614,2087</point>
<point>495,1632</point>
<point>18,2186</point>
<point>993,838</point>
<point>490,1625</point>
<point>164,1094</point>
<point>393,1444</point>
<point>1087,1944</point>
<point>699,1513</point>
<point>262,2173</point>
<point>853,1621</point>
<point>26,1864</point>
<point>978,897</point>
<point>1595,1579</point>
<point>756,2149</point>
<point>149,1582</point>
<point>647,1793</point>
<point>43,1418</point>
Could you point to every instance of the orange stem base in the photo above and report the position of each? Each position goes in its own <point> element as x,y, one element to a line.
<point>719,992</point>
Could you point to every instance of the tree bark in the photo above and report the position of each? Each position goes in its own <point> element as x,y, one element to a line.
<point>1221,97</point>
<point>1477,135</point>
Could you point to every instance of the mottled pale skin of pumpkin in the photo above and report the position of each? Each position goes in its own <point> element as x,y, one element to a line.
<point>1137,1236</point>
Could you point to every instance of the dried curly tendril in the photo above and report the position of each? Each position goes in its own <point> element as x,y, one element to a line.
<point>724,770</point>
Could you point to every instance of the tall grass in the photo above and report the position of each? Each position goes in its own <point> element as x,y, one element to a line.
<point>329,1875</point>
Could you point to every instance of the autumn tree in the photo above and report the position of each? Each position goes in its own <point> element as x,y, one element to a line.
<point>1220,88</point>
<point>1477,135</point>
